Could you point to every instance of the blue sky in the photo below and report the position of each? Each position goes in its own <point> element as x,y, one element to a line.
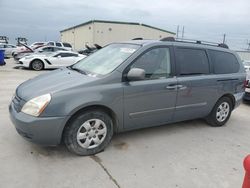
<point>203,20</point>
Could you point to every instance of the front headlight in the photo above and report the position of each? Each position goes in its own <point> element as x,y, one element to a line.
<point>36,106</point>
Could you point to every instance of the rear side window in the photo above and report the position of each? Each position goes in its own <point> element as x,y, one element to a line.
<point>224,62</point>
<point>68,55</point>
<point>67,45</point>
<point>192,61</point>
<point>51,43</point>
<point>58,44</point>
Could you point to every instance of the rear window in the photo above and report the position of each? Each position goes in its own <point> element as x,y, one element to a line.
<point>223,62</point>
<point>67,45</point>
<point>192,61</point>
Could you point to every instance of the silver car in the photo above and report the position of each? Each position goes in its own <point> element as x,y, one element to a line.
<point>8,49</point>
<point>126,86</point>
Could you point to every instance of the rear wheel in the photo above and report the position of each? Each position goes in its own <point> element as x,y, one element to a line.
<point>37,65</point>
<point>220,113</point>
<point>88,133</point>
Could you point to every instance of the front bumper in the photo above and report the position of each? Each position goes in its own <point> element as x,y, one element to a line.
<point>40,130</point>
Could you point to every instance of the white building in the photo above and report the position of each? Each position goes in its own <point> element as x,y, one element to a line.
<point>104,32</point>
<point>244,55</point>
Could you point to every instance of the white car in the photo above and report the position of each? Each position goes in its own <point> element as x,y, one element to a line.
<point>60,44</point>
<point>50,60</point>
<point>8,48</point>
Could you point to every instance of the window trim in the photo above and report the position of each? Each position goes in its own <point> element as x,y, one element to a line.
<point>178,70</point>
<point>172,62</point>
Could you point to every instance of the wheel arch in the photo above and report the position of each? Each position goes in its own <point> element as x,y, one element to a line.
<point>104,108</point>
<point>35,60</point>
<point>230,96</point>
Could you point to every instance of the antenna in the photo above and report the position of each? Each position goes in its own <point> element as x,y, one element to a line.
<point>177,33</point>
<point>182,35</point>
<point>224,38</point>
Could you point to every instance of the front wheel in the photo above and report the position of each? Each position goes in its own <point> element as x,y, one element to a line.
<point>220,113</point>
<point>37,65</point>
<point>88,133</point>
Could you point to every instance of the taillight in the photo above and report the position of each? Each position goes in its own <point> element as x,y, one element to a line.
<point>246,82</point>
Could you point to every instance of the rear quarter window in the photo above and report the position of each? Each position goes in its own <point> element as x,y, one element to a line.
<point>224,62</point>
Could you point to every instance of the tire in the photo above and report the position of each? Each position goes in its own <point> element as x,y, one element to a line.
<point>37,65</point>
<point>85,133</point>
<point>220,113</point>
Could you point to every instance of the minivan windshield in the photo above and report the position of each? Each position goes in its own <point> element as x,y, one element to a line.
<point>107,59</point>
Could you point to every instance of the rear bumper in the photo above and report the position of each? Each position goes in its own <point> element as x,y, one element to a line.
<point>40,130</point>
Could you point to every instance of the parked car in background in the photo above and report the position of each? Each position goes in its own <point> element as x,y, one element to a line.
<point>37,44</point>
<point>246,65</point>
<point>8,49</point>
<point>247,87</point>
<point>21,48</point>
<point>42,49</point>
<point>126,86</point>
<point>89,50</point>
<point>50,60</point>
<point>60,44</point>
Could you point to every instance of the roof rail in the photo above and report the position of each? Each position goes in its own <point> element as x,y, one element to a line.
<point>222,45</point>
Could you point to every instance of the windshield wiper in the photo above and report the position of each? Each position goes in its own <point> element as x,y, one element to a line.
<point>76,69</point>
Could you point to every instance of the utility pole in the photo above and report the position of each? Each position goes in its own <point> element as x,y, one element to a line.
<point>182,35</point>
<point>177,33</point>
<point>224,38</point>
<point>248,45</point>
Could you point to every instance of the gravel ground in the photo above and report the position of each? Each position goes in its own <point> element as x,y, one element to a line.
<point>188,154</point>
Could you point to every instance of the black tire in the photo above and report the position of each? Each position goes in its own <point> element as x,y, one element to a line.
<point>212,118</point>
<point>75,125</point>
<point>37,65</point>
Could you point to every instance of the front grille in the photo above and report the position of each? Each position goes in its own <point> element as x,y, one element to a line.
<point>17,103</point>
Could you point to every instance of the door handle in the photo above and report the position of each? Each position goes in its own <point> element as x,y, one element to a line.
<point>181,87</point>
<point>177,86</point>
<point>172,87</point>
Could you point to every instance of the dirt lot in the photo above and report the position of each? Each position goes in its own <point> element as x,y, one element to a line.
<point>188,154</point>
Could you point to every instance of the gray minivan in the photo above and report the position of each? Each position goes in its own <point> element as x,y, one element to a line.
<point>126,86</point>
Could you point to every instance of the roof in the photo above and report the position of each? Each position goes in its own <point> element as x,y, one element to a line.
<point>116,22</point>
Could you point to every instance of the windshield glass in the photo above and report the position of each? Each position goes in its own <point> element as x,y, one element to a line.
<point>246,63</point>
<point>107,59</point>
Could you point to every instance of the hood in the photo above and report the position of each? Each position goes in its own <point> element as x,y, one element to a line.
<point>52,82</point>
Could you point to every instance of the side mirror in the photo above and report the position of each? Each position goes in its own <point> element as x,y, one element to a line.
<point>59,56</point>
<point>136,74</point>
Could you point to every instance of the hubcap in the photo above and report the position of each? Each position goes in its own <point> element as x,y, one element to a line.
<point>37,65</point>
<point>222,112</point>
<point>91,133</point>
